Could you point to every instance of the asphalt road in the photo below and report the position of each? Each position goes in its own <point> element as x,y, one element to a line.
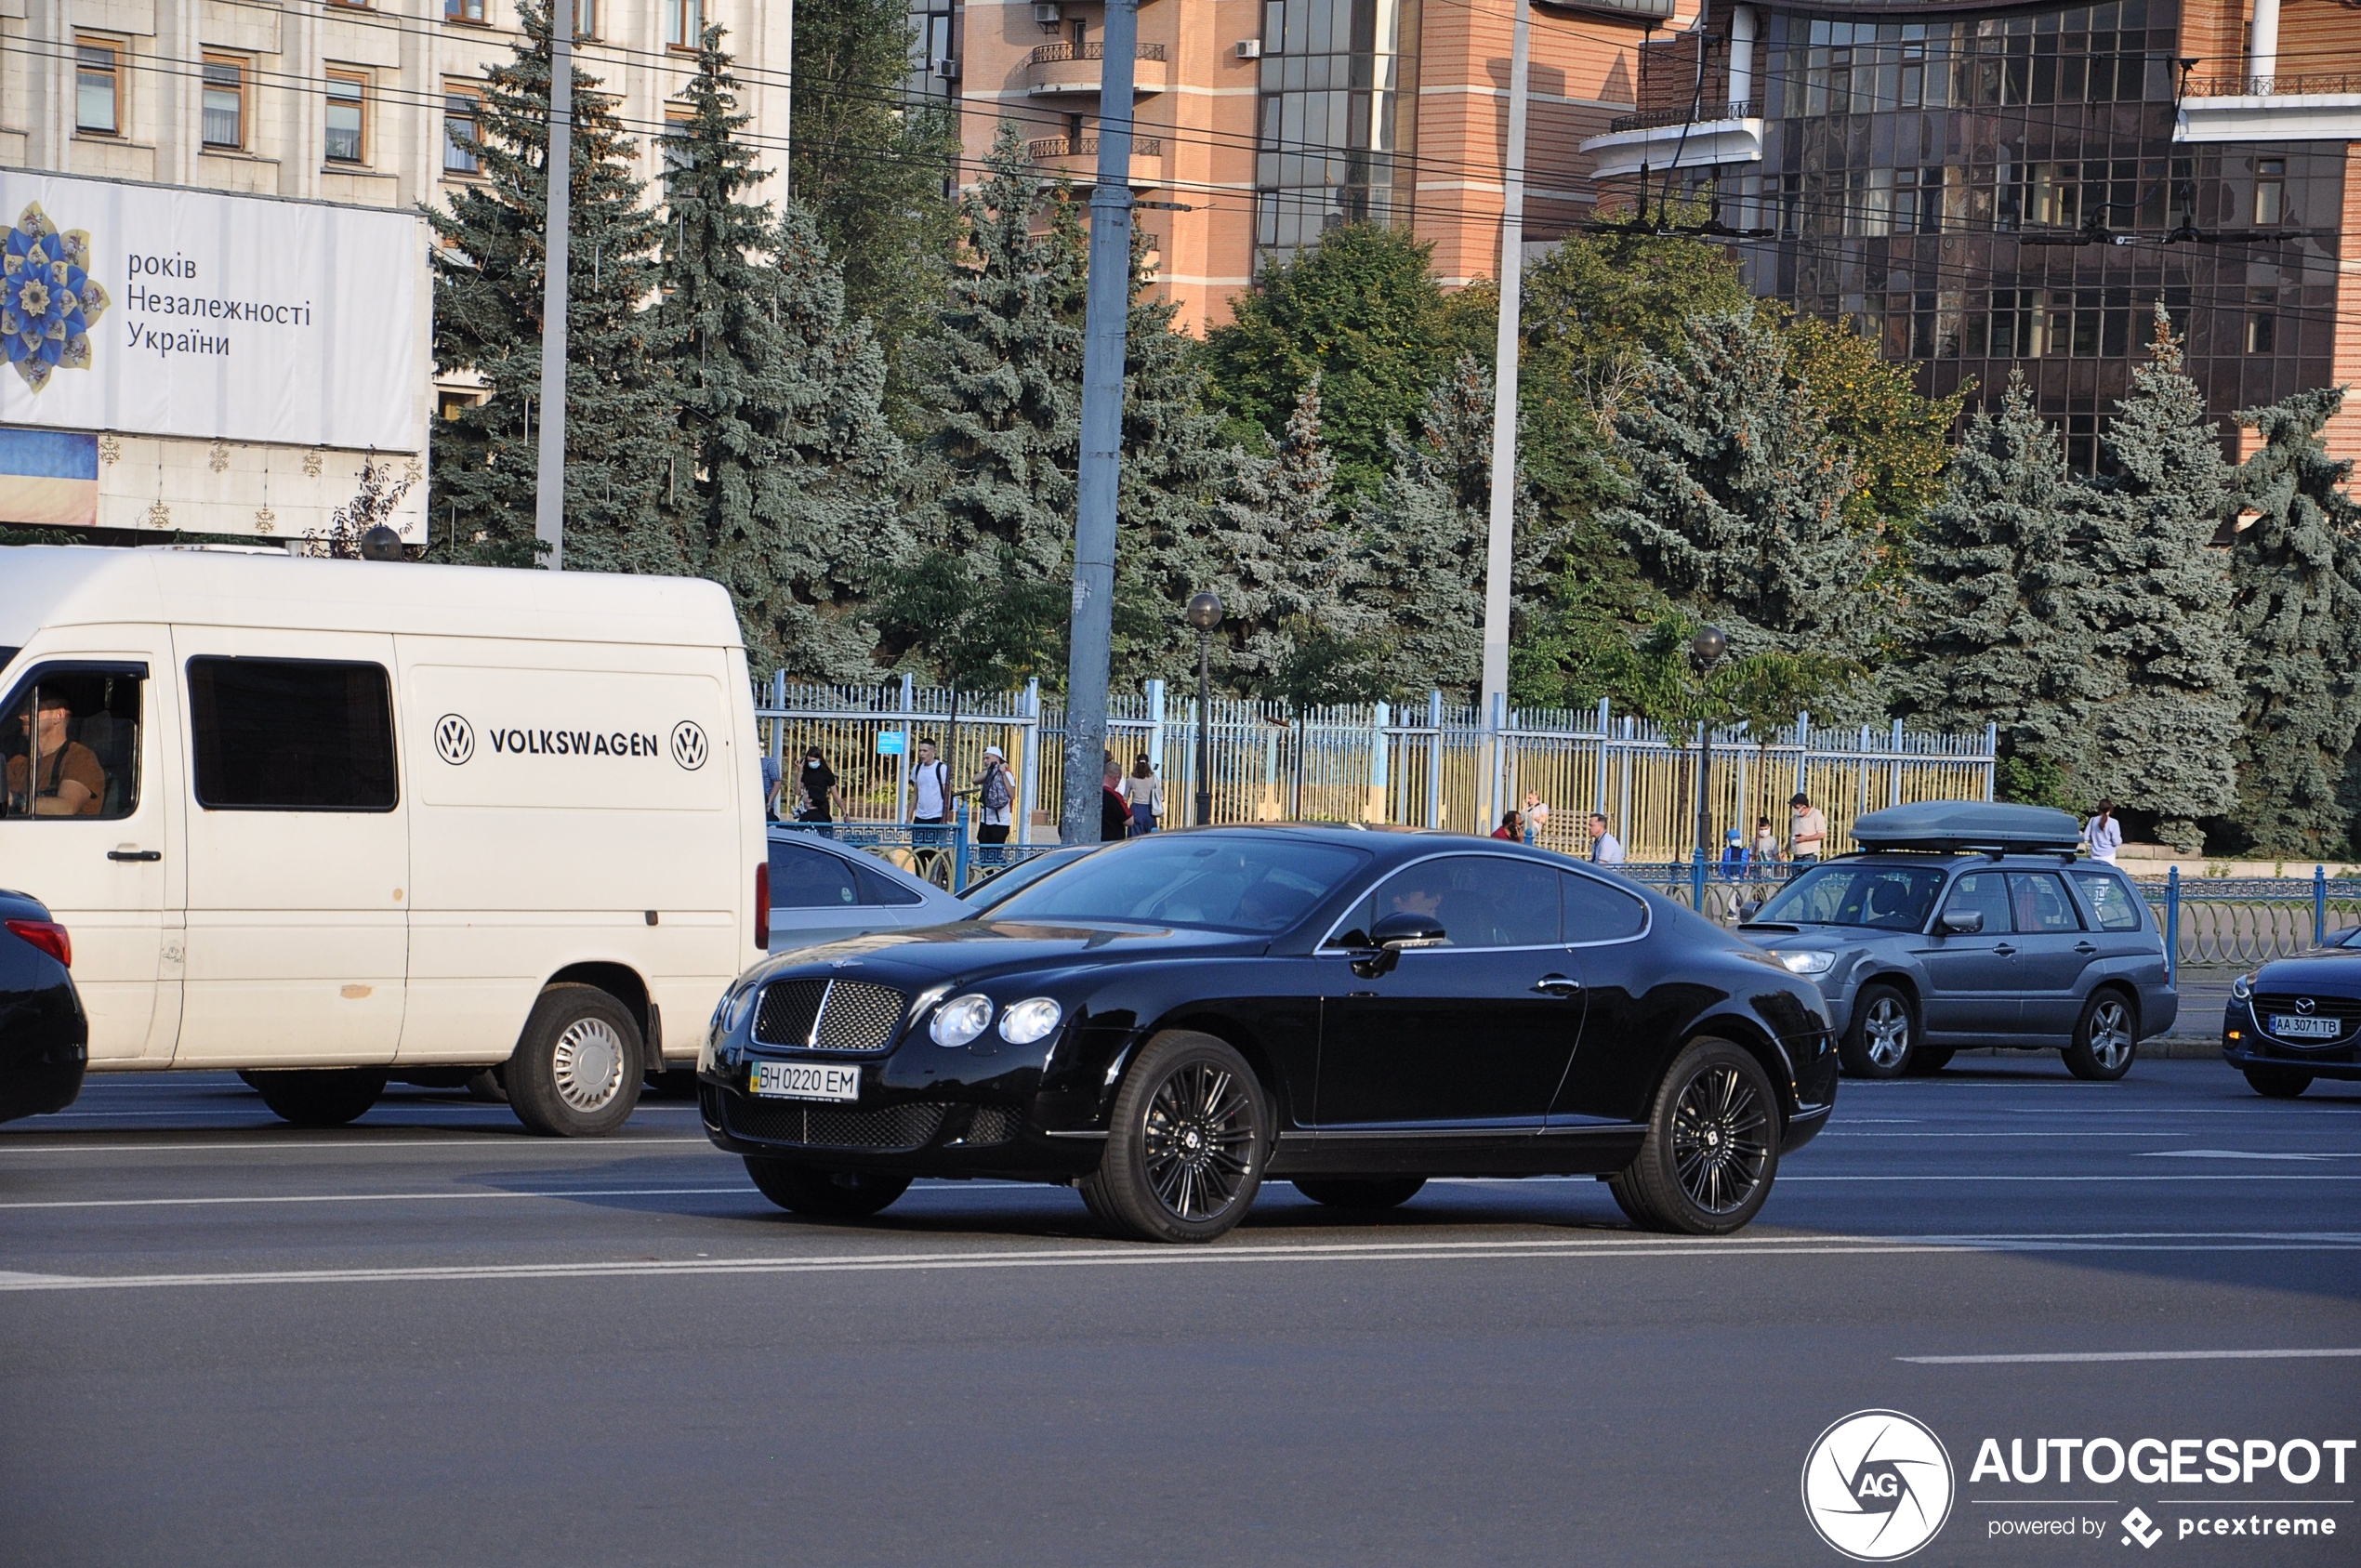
<point>430,1338</point>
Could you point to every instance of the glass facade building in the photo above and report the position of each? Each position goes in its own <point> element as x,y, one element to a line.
<point>1338,117</point>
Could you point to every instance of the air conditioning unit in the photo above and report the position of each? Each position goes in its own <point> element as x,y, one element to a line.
<point>947,70</point>
<point>1046,14</point>
<point>1250,49</point>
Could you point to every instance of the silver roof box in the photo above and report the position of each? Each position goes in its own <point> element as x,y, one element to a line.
<point>1952,825</point>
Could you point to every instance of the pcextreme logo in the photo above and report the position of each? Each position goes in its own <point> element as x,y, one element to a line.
<point>1878,1486</point>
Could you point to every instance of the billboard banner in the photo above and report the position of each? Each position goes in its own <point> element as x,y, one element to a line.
<point>161,311</point>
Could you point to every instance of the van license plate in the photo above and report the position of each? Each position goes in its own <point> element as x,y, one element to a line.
<point>804,1080</point>
<point>2288,1026</point>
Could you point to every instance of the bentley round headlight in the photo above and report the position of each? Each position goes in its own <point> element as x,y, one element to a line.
<point>1806,963</point>
<point>960,1019</point>
<point>2242,988</point>
<point>1029,1021</point>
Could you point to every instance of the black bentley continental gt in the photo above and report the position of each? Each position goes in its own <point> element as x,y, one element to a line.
<point>1168,1021</point>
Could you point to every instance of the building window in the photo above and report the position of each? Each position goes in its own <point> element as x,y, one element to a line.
<point>683,23</point>
<point>459,132</point>
<point>1336,125</point>
<point>348,118</point>
<point>586,19</point>
<point>2263,332</point>
<point>225,103</point>
<point>2270,191</point>
<point>463,10</point>
<point>672,148</point>
<point>97,87</point>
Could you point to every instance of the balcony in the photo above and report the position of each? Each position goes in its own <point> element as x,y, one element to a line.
<point>1077,158</point>
<point>1073,70</point>
<point>1671,140</point>
<point>2270,109</point>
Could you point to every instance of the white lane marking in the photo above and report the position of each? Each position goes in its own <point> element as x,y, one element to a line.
<point>2130,1355</point>
<point>522,1141</point>
<point>1137,1256</point>
<point>2234,1155</point>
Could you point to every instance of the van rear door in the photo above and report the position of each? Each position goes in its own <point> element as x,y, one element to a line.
<point>299,850</point>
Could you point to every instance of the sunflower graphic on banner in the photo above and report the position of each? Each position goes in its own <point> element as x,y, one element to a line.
<point>48,301</point>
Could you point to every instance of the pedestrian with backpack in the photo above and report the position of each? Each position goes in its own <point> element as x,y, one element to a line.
<point>995,797</point>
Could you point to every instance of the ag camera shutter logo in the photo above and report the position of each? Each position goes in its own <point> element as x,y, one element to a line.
<point>689,749</point>
<point>1878,1486</point>
<point>455,739</point>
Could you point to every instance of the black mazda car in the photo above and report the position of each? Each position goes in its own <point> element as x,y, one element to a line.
<point>2296,1019</point>
<point>45,1039</point>
<point>1170,1021</point>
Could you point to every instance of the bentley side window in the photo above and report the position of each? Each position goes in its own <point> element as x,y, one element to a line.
<point>1595,912</point>
<point>1481,901</point>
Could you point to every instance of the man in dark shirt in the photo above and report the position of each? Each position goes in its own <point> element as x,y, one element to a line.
<point>61,778</point>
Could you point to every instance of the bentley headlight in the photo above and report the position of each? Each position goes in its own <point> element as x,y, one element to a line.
<point>1029,1021</point>
<point>960,1019</point>
<point>1806,963</point>
<point>2242,988</point>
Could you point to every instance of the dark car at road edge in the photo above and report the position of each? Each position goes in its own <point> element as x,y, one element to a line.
<point>1170,1021</point>
<point>45,1039</point>
<point>2296,1019</point>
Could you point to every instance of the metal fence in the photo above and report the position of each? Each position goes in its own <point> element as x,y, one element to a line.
<point>1434,764</point>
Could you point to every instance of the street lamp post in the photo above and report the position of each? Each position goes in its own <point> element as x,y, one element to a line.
<point>1205,613</point>
<point>1706,647</point>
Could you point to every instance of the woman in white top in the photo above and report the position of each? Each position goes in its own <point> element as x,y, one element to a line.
<point>2103,834</point>
<point>1143,792</point>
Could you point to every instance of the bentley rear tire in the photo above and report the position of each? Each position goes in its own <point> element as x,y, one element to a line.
<point>1191,1133</point>
<point>1712,1146</point>
<point>1366,1194</point>
<point>825,1195</point>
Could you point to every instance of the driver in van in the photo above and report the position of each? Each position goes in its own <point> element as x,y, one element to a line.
<point>63,777</point>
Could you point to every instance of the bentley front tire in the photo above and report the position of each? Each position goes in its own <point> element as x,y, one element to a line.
<point>825,1195</point>
<point>1368,1194</point>
<point>1712,1146</point>
<point>1185,1153</point>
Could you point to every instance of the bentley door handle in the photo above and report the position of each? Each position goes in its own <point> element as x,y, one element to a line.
<point>135,854</point>
<point>1557,985</point>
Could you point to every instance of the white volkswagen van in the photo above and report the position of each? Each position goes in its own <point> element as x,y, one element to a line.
<point>323,821</point>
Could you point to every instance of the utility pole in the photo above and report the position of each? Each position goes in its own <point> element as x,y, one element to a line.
<point>1500,543</point>
<point>1094,524</point>
<point>549,486</point>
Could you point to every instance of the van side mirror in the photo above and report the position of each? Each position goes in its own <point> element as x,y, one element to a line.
<point>1391,936</point>
<point>1961,922</point>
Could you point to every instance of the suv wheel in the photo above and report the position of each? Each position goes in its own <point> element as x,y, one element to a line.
<point>1184,1156</point>
<point>326,1097</point>
<point>1879,1042</point>
<point>576,1072</point>
<point>1371,1194</point>
<point>1712,1146</point>
<point>825,1195</point>
<point>2278,1083</point>
<point>2105,1040</point>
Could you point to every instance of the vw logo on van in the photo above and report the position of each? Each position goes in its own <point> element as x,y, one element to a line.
<point>455,739</point>
<point>688,745</point>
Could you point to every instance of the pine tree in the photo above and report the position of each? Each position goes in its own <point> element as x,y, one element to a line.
<point>1284,564</point>
<point>788,499</point>
<point>2160,688</point>
<point>1996,634</point>
<point>620,443</point>
<point>1737,501</point>
<point>2296,574</point>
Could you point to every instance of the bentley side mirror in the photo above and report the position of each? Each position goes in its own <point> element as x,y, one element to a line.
<point>1961,922</point>
<point>1391,937</point>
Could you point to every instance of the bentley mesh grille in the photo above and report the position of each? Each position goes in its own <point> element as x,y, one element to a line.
<point>893,1129</point>
<point>993,1124</point>
<point>852,1015</point>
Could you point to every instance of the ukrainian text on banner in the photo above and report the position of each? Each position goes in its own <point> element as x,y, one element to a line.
<point>166,312</point>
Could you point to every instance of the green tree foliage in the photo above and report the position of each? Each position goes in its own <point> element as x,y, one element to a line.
<point>788,499</point>
<point>871,166</point>
<point>2160,688</point>
<point>1736,506</point>
<point>978,624</point>
<point>1896,441</point>
<point>2297,622</point>
<point>488,272</point>
<point>1996,634</point>
<point>1363,312</point>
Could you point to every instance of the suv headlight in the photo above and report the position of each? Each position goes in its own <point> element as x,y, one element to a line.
<point>960,1019</point>
<point>1816,962</point>
<point>2242,988</point>
<point>1029,1021</point>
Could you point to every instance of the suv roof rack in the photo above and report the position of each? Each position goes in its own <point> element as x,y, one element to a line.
<point>1952,826</point>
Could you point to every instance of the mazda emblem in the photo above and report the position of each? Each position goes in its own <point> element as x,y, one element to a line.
<point>2305,1003</point>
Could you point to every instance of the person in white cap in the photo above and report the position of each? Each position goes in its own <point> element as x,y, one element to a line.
<point>997,795</point>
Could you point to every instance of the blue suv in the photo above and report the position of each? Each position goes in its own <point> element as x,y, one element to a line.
<point>1962,924</point>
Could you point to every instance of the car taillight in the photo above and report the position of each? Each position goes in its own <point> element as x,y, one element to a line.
<point>48,936</point>
<point>761,906</point>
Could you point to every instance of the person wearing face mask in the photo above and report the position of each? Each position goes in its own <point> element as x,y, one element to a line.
<point>816,789</point>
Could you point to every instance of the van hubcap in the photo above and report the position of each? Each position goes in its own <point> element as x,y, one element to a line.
<point>588,1064</point>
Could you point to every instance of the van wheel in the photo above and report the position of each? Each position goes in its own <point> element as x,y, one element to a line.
<point>484,1085</point>
<point>2105,1040</point>
<point>576,1071</point>
<point>319,1097</point>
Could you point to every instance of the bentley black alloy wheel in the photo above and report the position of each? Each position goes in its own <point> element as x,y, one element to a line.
<point>1190,1131</point>
<point>1712,1145</point>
